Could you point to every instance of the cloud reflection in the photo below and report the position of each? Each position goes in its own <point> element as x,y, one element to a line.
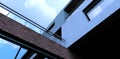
<point>4,42</point>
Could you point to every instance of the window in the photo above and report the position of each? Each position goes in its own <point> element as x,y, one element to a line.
<point>22,50</point>
<point>11,50</point>
<point>99,8</point>
<point>90,6</point>
<point>73,5</point>
<point>58,33</point>
<point>51,26</point>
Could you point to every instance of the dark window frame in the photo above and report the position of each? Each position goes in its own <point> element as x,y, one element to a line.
<point>73,5</point>
<point>51,26</point>
<point>89,7</point>
<point>58,33</point>
<point>33,48</point>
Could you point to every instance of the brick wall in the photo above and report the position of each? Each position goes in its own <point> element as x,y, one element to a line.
<point>26,34</point>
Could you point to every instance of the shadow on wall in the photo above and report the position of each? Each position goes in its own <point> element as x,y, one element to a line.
<point>102,42</point>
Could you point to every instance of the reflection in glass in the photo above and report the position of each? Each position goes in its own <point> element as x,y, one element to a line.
<point>16,18</point>
<point>99,8</point>
<point>9,50</point>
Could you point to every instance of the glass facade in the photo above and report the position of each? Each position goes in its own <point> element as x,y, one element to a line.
<point>9,50</point>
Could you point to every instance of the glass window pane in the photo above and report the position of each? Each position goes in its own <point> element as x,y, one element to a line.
<point>21,53</point>
<point>99,8</point>
<point>33,27</point>
<point>9,50</point>
<point>16,18</point>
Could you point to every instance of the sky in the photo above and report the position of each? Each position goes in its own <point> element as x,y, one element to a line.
<point>40,11</point>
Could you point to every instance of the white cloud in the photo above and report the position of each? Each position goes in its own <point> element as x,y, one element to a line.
<point>4,42</point>
<point>3,1</point>
<point>42,6</point>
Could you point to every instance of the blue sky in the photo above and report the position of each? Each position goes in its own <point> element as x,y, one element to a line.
<point>40,11</point>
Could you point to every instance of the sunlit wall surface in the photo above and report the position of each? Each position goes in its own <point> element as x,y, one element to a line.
<point>77,25</point>
<point>40,11</point>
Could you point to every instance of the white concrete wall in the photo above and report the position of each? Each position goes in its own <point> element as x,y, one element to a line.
<point>59,21</point>
<point>77,25</point>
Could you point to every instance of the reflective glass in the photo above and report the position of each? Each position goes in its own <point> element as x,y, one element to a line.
<point>33,27</point>
<point>21,53</point>
<point>99,8</point>
<point>16,18</point>
<point>9,50</point>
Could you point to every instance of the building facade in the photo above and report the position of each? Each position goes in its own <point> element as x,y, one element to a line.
<point>84,29</point>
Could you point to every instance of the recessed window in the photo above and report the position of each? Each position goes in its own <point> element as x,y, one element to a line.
<point>73,5</point>
<point>58,33</point>
<point>51,26</point>
<point>90,6</point>
<point>99,8</point>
